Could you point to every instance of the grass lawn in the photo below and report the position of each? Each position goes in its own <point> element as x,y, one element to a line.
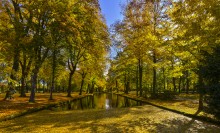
<point>141,119</point>
<point>186,103</point>
<point>20,104</point>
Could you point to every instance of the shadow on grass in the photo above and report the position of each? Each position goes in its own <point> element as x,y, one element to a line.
<point>72,119</point>
<point>136,119</point>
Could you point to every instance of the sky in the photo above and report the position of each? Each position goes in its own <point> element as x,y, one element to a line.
<point>111,9</point>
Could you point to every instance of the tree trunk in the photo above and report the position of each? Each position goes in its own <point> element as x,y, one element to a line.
<point>180,80</point>
<point>22,93</point>
<point>92,87</point>
<point>53,74</point>
<point>174,84</point>
<point>201,93</point>
<point>116,85</point>
<point>38,85</point>
<point>25,68</point>
<point>26,87</point>
<point>33,87</point>
<point>70,84</point>
<point>140,76</point>
<point>137,82</point>
<point>154,74</point>
<point>43,86</point>
<point>81,87</point>
<point>23,87</point>
<point>48,86</point>
<point>82,82</point>
<point>88,88</point>
<point>201,101</point>
<point>187,82</point>
<point>15,66</point>
<point>125,83</point>
<point>52,89</point>
<point>127,86</point>
<point>164,79</point>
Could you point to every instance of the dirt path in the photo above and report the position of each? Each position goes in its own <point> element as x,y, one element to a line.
<point>137,119</point>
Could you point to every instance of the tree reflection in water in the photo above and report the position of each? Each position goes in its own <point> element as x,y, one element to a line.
<point>100,101</point>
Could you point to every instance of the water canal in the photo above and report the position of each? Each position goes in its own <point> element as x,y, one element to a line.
<point>99,101</point>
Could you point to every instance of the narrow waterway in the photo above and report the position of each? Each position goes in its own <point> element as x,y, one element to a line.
<point>99,101</point>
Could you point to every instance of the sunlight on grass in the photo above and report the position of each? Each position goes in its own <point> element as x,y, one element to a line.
<point>141,119</point>
<point>18,104</point>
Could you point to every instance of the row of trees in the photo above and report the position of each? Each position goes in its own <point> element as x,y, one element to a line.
<point>53,41</point>
<point>165,45</point>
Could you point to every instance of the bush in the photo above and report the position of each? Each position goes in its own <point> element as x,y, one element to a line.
<point>210,72</point>
<point>213,100</point>
<point>166,95</point>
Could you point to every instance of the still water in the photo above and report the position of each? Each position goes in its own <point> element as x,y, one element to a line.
<point>99,101</point>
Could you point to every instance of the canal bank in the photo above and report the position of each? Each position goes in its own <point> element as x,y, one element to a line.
<point>19,106</point>
<point>178,108</point>
<point>100,101</point>
<point>138,119</point>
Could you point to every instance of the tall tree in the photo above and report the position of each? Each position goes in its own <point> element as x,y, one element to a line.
<point>16,31</point>
<point>141,31</point>
<point>194,21</point>
<point>92,36</point>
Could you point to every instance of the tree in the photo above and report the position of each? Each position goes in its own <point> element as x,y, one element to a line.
<point>15,31</point>
<point>58,34</point>
<point>210,72</point>
<point>142,32</point>
<point>194,25</point>
<point>92,37</point>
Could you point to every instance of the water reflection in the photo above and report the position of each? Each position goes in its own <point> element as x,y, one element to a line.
<point>100,101</point>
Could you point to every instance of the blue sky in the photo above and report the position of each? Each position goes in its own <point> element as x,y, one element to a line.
<point>111,9</point>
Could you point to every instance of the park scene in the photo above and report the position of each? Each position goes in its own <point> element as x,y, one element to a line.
<point>110,66</point>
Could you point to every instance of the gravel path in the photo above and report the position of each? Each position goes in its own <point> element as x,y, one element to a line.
<point>141,119</point>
